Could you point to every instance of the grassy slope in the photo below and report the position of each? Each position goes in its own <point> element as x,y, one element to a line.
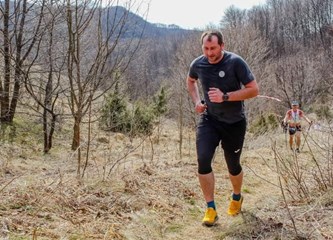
<point>151,193</point>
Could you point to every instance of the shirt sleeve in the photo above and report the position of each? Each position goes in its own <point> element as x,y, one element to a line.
<point>243,71</point>
<point>192,73</point>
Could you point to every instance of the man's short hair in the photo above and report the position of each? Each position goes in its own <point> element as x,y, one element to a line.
<point>210,34</point>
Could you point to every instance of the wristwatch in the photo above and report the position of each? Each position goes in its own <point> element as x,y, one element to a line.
<point>225,97</point>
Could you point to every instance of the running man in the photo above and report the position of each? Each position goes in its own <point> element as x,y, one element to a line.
<point>293,119</point>
<point>226,81</point>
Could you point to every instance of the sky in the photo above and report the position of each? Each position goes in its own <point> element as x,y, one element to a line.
<point>191,14</point>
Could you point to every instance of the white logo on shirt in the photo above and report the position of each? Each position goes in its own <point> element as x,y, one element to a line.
<point>237,150</point>
<point>221,74</point>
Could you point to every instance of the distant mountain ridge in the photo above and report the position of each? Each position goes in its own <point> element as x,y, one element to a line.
<point>136,23</point>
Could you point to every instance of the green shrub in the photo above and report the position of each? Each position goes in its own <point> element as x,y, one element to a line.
<point>143,118</point>
<point>264,123</point>
<point>272,121</point>
<point>117,117</point>
<point>160,103</point>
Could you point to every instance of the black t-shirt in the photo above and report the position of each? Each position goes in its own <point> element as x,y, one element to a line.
<point>229,75</point>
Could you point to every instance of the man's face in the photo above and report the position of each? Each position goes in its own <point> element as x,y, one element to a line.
<point>212,50</point>
<point>294,107</point>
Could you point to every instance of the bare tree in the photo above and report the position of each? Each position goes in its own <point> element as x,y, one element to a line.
<point>98,54</point>
<point>245,40</point>
<point>21,32</point>
<point>301,77</point>
<point>233,17</point>
<point>181,105</point>
<point>43,84</point>
<point>149,66</point>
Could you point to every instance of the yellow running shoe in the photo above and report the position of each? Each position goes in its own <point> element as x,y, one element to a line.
<point>235,206</point>
<point>210,217</point>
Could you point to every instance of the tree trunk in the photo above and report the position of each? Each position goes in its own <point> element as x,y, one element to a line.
<point>76,133</point>
<point>4,96</point>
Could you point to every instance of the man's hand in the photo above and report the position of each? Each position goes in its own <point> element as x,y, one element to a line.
<point>215,95</point>
<point>283,124</point>
<point>200,107</point>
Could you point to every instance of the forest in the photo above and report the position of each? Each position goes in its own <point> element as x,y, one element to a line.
<point>61,59</point>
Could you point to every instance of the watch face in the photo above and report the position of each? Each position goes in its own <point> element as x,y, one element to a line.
<point>225,97</point>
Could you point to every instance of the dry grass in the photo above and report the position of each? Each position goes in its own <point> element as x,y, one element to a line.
<point>142,189</point>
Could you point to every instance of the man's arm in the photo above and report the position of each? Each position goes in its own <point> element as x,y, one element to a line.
<point>251,90</point>
<point>192,87</point>
<point>285,121</point>
<point>307,119</point>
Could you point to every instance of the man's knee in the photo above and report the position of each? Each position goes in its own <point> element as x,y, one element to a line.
<point>204,163</point>
<point>204,169</point>
<point>235,170</point>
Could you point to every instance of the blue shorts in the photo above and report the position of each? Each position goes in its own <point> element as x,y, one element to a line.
<point>210,133</point>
